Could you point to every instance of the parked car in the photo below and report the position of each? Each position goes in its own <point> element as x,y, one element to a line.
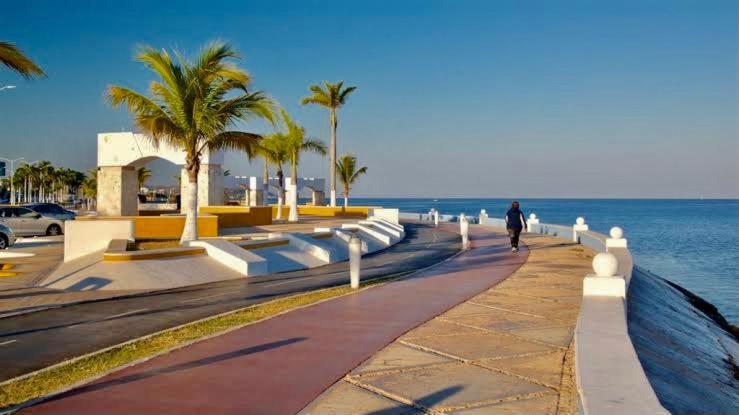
<point>25,222</point>
<point>7,237</point>
<point>52,210</point>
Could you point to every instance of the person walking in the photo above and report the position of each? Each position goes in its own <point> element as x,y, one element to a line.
<point>515,222</point>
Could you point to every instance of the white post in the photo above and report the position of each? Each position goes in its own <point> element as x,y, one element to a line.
<point>617,239</point>
<point>355,258</point>
<point>436,218</point>
<point>533,220</point>
<point>483,216</point>
<point>605,282</point>
<point>431,214</point>
<point>464,228</point>
<point>579,226</point>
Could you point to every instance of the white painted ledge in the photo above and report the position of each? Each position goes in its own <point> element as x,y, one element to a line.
<point>233,256</point>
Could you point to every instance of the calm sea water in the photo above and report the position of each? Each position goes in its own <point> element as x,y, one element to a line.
<point>690,242</point>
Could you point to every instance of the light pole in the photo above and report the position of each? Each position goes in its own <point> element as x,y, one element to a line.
<point>12,176</point>
<point>7,87</point>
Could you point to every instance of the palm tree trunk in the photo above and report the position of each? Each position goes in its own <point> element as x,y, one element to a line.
<point>293,216</point>
<point>346,197</point>
<point>332,157</point>
<point>265,182</point>
<point>280,192</point>
<point>190,233</point>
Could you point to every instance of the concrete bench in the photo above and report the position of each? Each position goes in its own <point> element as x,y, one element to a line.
<point>117,256</point>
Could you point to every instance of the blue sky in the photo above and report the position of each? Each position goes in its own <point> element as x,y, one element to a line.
<point>455,98</point>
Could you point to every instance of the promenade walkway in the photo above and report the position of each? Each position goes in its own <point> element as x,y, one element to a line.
<point>281,365</point>
<point>506,351</point>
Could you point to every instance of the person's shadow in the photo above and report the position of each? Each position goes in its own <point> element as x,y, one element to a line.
<point>426,401</point>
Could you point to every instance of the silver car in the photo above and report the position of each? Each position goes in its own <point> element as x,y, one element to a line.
<point>7,237</point>
<point>25,222</point>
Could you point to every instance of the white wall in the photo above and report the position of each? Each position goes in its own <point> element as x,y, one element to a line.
<point>82,237</point>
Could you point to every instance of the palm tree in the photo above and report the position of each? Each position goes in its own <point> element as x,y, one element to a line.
<point>272,148</point>
<point>261,151</point>
<point>192,107</point>
<point>90,187</point>
<point>13,58</point>
<point>348,173</point>
<point>331,96</point>
<point>144,174</point>
<point>296,142</point>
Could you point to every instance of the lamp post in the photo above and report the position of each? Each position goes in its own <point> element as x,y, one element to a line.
<point>12,173</point>
<point>2,88</point>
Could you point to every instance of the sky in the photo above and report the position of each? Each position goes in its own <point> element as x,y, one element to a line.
<point>455,98</point>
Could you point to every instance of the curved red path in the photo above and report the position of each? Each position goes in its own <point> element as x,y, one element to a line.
<point>280,365</point>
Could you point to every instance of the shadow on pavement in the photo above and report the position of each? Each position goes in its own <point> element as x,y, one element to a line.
<point>176,368</point>
<point>426,401</point>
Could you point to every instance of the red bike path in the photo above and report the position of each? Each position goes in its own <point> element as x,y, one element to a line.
<point>280,365</point>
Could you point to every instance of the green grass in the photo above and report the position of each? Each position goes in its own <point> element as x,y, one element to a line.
<point>68,374</point>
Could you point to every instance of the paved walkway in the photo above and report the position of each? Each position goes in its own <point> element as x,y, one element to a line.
<point>280,365</point>
<point>505,351</point>
<point>36,340</point>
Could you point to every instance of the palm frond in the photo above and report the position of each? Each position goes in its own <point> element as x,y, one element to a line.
<point>13,58</point>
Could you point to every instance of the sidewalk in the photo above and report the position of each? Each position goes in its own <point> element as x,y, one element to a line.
<point>506,351</point>
<point>280,365</point>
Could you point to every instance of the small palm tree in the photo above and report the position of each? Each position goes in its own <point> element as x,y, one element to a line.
<point>13,58</point>
<point>90,188</point>
<point>297,142</point>
<point>272,148</point>
<point>144,174</point>
<point>348,173</point>
<point>192,107</point>
<point>331,96</point>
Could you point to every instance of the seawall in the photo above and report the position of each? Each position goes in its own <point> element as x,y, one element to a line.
<point>685,346</point>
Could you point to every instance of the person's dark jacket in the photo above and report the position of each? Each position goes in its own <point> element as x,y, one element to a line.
<point>514,219</point>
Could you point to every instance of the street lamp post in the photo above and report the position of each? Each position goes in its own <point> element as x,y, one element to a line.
<point>12,176</point>
<point>2,88</point>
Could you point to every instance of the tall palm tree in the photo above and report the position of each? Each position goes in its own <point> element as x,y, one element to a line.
<point>13,58</point>
<point>272,148</point>
<point>143,174</point>
<point>192,107</point>
<point>331,96</point>
<point>296,142</point>
<point>348,173</point>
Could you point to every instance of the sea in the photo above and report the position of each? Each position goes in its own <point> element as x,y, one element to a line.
<point>692,243</point>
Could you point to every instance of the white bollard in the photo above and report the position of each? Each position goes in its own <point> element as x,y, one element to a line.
<point>533,220</point>
<point>483,216</point>
<point>605,282</point>
<point>579,226</point>
<point>436,218</point>
<point>617,239</point>
<point>355,259</point>
<point>464,228</point>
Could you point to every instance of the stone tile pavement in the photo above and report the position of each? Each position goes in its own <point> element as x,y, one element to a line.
<point>506,351</point>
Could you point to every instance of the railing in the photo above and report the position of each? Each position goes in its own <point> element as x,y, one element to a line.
<point>610,378</point>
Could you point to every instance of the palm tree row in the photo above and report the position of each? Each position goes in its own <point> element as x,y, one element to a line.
<point>42,182</point>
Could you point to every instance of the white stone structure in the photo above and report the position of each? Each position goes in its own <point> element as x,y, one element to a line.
<point>533,220</point>
<point>579,226</point>
<point>617,239</point>
<point>121,154</point>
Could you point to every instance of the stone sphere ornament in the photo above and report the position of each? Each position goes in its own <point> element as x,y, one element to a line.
<point>605,264</point>
<point>532,216</point>
<point>580,221</point>
<point>616,232</point>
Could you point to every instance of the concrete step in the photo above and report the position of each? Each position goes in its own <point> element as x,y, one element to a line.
<point>233,256</point>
